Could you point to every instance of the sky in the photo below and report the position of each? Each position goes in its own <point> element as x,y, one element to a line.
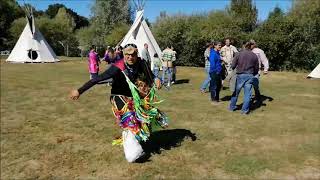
<point>154,7</point>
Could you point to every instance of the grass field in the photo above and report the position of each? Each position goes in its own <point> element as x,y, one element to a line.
<point>47,136</point>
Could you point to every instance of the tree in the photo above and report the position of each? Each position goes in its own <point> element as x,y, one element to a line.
<point>65,20</point>
<point>305,37</point>
<point>183,33</point>
<point>10,10</point>
<point>189,34</point>
<point>85,38</point>
<point>16,29</point>
<point>53,10</point>
<point>79,20</point>
<point>244,14</point>
<point>117,34</point>
<point>220,25</point>
<point>273,37</point>
<point>106,15</point>
<point>50,30</point>
<point>65,28</point>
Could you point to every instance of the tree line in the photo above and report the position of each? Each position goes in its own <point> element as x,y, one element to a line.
<point>290,40</point>
<point>68,33</point>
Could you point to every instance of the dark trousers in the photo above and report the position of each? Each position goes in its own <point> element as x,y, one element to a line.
<point>174,71</point>
<point>215,86</point>
<point>93,75</point>
<point>255,83</point>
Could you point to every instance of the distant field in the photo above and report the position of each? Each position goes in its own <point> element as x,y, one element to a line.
<point>45,135</point>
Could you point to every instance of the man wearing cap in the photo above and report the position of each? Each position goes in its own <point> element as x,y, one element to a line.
<point>132,93</point>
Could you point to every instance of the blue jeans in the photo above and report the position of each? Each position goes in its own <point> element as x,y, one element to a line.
<point>244,81</point>
<point>155,72</point>
<point>167,71</point>
<point>206,82</point>
<point>215,86</point>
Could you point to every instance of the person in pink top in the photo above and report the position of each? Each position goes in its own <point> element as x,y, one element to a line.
<point>93,63</point>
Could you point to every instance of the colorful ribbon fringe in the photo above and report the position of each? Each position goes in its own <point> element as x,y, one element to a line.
<point>139,114</point>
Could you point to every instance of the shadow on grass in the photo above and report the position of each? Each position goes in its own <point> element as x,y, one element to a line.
<point>255,103</point>
<point>181,81</point>
<point>226,98</point>
<point>164,140</point>
<point>260,102</point>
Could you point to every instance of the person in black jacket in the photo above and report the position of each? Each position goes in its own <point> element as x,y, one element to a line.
<point>131,65</point>
<point>132,93</point>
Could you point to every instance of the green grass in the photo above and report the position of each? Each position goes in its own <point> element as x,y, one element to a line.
<point>45,135</point>
<point>245,165</point>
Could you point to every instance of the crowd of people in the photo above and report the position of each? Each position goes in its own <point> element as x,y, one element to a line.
<point>241,68</point>
<point>134,83</point>
<point>112,55</point>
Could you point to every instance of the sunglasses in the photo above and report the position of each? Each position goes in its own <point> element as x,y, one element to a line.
<point>133,54</point>
<point>130,45</point>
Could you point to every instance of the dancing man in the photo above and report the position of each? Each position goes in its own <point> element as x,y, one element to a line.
<point>132,95</point>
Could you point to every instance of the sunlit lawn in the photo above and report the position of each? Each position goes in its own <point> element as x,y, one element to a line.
<point>45,135</point>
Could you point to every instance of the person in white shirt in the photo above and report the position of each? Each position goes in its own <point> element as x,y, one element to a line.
<point>263,60</point>
<point>227,54</point>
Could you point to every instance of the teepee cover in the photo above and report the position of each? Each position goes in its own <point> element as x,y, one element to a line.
<point>315,73</point>
<point>32,46</point>
<point>140,34</point>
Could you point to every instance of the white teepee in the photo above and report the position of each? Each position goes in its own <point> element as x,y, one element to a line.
<point>140,34</point>
<point>32,46</point>
<point>315,73</point>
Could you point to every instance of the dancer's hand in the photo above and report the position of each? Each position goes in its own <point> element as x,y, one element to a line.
<point>158,83</point>
<point>74,94</point>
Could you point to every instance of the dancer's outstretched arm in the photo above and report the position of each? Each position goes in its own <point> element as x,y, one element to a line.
<point>107,74</point>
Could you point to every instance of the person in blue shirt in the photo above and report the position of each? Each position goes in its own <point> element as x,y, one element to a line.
<point>215,72</point>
